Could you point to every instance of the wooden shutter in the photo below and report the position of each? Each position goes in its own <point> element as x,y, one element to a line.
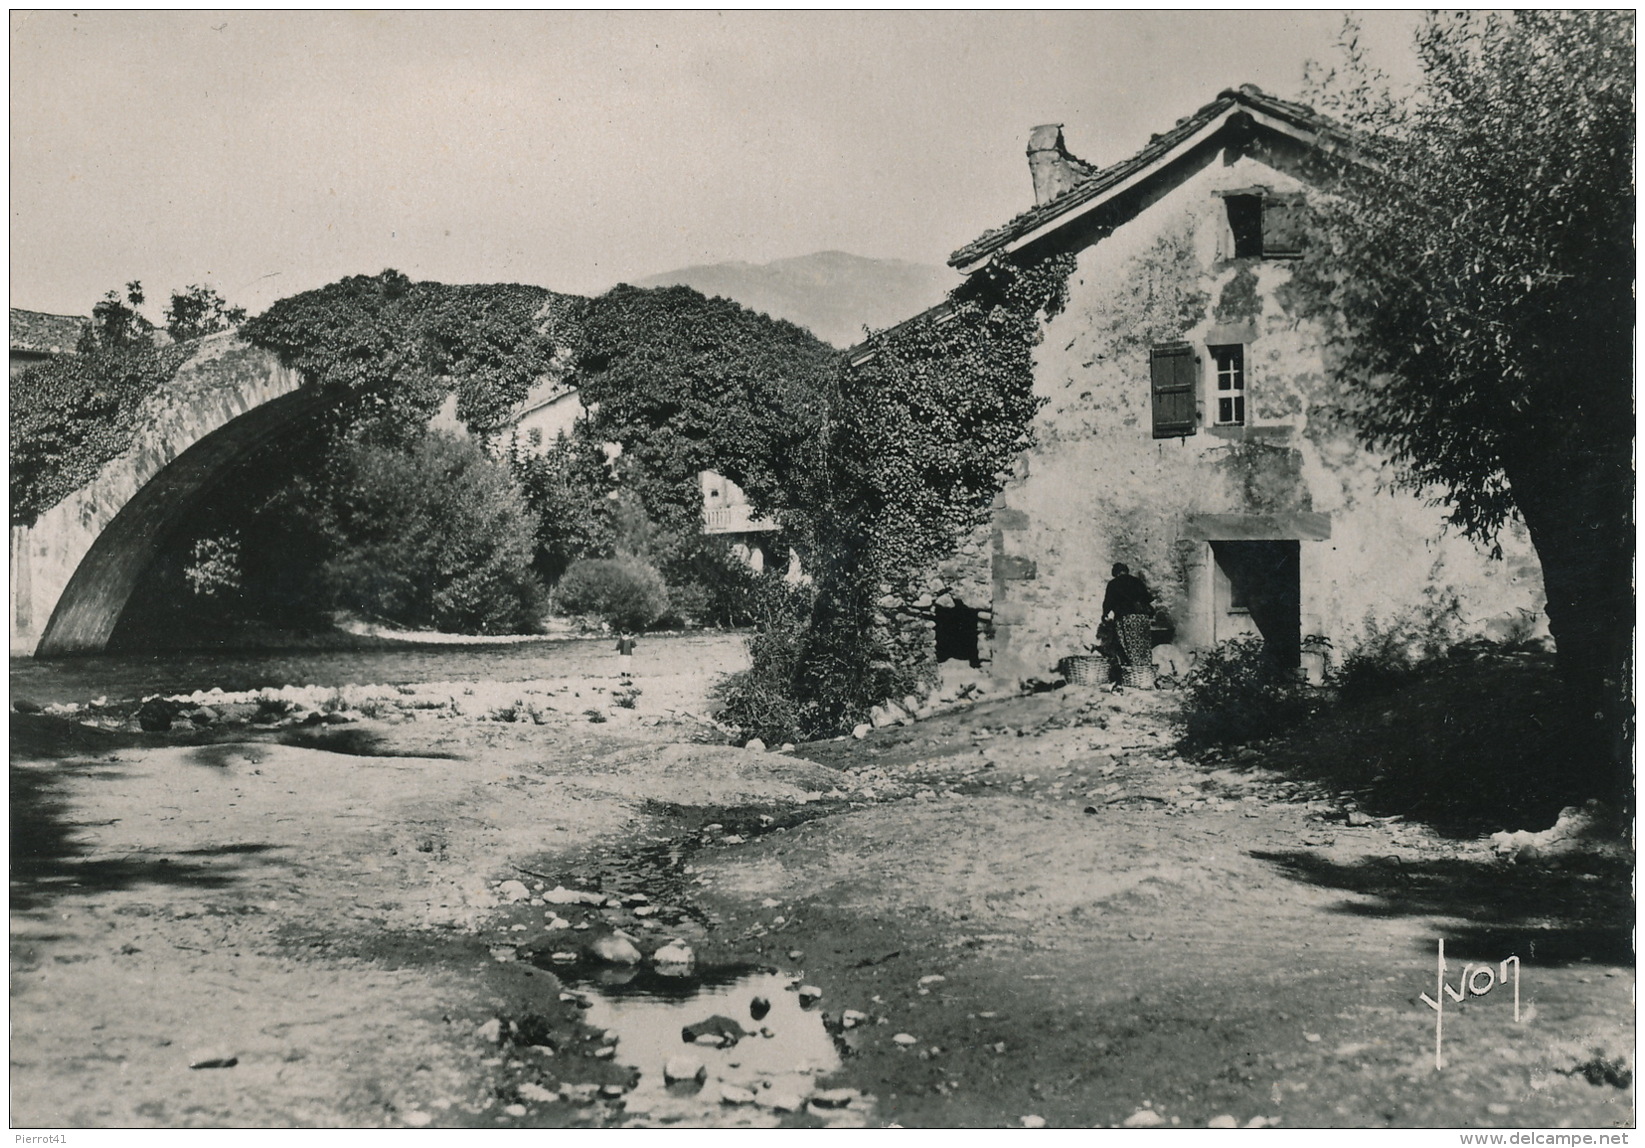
<point>1175,369</point>
<point>1283,226</point>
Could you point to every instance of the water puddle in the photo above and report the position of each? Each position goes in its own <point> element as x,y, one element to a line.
<point>754,1080</point>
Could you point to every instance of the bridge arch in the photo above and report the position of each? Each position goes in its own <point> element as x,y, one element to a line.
<point>75,568</point>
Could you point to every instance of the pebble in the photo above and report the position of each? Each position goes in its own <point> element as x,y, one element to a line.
<point>615,949</point>
<point>1258,1122</point>
<point>512,891</point>
<point>809,995</point>
<point>1143,1118</point>
<point>905,1039</point>
<point>515,1110</point>
<point>735,1094</point>
<point>491,1031</point>
<point>1033,1122</point>
<point>418,1119</point>
<point>754,744</point>
<point>833,1098</point>
<point>1223,1121</point>
<point>781,1101</point>
<point>530,1090</point>
<point>851,1018</point>
<point>612,1091</point>
<point>676,952</point>
<point>933,979</point>
<point>684,1068</point>
<point>214,1060</point>
<point>861,731</point>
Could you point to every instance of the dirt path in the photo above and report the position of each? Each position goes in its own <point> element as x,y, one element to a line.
<point>1116,931</point>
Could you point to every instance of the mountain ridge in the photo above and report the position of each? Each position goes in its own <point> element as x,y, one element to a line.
<point>833,294</point>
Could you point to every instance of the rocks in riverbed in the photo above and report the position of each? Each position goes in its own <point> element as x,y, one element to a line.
<point>718,1031</point>
<point>834,1097</point>
<point>1143,1118</point>
<point>758,1008</point>
<point>684,1070</point>
<point>735,1094</point>
<point>512,891</point>
<point>615,949</point>
<point>809,995</point>
<point>676,954</point>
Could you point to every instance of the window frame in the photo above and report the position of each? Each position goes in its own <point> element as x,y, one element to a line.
<point>1238,390</point>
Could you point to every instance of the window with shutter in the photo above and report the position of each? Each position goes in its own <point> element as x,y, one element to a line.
<point>1282,227</point>
<point>1175,369</point>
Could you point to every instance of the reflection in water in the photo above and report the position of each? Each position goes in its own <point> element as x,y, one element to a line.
<point>779,1061</point>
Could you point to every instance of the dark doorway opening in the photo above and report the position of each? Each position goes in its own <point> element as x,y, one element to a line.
<point>1265,581</point>
<point>957,635</point>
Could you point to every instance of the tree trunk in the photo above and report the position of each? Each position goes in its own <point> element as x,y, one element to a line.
<point>1577,506</point>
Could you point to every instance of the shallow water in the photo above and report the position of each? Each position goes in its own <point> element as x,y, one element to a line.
<point>120,676</point>
<point>647,1010</point>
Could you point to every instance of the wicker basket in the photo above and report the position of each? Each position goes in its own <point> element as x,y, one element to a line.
<point>1086,670</point>
<point>1137,677</point>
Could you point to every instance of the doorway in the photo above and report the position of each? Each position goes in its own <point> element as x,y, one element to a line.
<point>957,635</point>
<point>1259,591</point>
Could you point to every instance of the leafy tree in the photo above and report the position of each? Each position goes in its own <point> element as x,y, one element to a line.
<point>1482,268</point>
<point>116,324</point>
<point>200,310</point>
<point>434,535</point>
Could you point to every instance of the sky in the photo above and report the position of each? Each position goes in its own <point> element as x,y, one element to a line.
<point>268,153</point>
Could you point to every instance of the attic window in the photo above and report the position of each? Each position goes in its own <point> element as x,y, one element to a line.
<point>1264,224</point>
<point>1245,221</point>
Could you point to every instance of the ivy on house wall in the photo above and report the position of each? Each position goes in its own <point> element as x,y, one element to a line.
<point>919,442</point>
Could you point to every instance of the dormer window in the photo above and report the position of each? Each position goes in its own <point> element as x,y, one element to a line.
<point>1264,224</point>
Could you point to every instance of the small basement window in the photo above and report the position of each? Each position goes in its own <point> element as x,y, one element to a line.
<point>1228,363</point>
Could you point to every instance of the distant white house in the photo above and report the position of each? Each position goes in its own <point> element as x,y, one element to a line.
<point>726,512</point>
<point>549,410</point>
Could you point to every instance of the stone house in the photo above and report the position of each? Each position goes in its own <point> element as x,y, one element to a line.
<point>37,337</point>
<point>1187,426</point>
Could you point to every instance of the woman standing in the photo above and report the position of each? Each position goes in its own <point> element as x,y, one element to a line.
<point>1131,603</point>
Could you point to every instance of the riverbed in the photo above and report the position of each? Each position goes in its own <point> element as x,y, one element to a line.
<point>49,681</point>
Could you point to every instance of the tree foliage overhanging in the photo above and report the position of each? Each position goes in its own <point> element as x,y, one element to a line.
<point>1482,272</point>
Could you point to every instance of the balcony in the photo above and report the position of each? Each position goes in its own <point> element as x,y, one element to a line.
<point>734,519</point>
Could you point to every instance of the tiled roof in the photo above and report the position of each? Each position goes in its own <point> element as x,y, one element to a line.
<point>41,334</point>
<point>1296,115</point>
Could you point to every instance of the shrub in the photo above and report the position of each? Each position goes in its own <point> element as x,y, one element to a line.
<point>814,669</point>
<point>626,592</point>
<point>436,535</point>
<point>1238,692</point>
<point>1391,654</point>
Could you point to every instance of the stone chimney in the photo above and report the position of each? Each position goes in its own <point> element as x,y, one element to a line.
<point>1053,169</point>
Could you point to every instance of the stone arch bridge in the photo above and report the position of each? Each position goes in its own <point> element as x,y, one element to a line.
<point>75,568</point>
